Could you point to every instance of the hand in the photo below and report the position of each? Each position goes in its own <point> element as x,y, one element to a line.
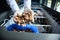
<point>17,12</point>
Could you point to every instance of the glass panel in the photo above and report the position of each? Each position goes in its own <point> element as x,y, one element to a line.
<point>49,3</point>
<point>58,7</point>
<point>40,1</point>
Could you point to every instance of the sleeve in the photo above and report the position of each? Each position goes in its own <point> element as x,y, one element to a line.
<point>13,5</point>
<point>10,28</point>
<point>34,29</point>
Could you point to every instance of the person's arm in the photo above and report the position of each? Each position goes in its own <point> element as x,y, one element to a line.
<point>34,29</point>
<point>10,28</point>
<point>13,5</point>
